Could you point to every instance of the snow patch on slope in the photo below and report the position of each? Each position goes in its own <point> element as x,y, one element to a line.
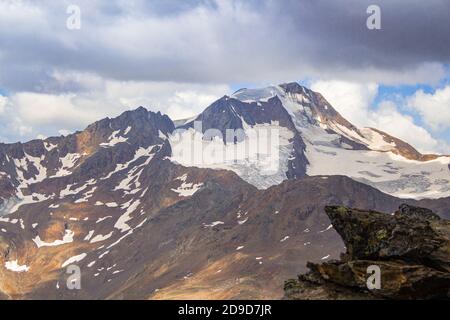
<point>68,238</point>
<point>385,171</point>
<point>73,259</point>
<point>260,159</point>
<point>14,266</point>
<point>121,223</point>
<point>186,189</point>
<point>115,139</point>
<point>67,162</point>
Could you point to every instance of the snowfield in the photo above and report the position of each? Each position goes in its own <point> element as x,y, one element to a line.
<point>260,159</point>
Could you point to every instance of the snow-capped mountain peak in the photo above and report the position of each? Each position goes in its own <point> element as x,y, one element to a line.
<point>328,144</point>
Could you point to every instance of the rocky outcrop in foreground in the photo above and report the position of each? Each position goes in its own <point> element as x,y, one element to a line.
<point>401,256</point>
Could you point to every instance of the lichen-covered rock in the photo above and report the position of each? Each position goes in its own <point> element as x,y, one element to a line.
<point>411,248</point>
<point>413,234</point>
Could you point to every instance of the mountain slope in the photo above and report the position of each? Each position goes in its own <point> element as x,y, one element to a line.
<point>227,240</point>
<point>335,146</point>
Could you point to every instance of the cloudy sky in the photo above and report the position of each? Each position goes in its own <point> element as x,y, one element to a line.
<point>179,56</point>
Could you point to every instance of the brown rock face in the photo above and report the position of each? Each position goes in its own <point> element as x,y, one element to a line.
<point>410,249</point>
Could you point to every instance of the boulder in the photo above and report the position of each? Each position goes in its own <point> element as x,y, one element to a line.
<point>410,248</point>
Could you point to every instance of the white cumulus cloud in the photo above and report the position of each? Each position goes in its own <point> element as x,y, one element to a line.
<point>433,107</point>
<point>3,102</point>
<point>351,99</point>
<point>81,99</point>
<point>387,118</point>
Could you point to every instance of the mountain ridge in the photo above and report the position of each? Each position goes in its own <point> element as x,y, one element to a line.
<point>314,140</point>
<point>141,222</point>
<point>291,87</point>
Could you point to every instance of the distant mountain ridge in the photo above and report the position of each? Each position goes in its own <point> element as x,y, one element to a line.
<point>319,141</point>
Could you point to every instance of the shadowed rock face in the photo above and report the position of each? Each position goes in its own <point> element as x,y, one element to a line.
<point>411,248</point>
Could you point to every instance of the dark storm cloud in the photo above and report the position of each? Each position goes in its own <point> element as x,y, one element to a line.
<point>222,41</point>
<point>412,31</point>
